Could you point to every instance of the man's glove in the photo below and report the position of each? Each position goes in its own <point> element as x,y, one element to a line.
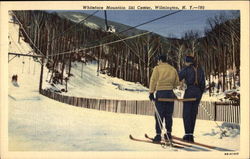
<point>151,96</point>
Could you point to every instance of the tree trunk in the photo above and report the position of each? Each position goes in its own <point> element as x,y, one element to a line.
<point>98,61</point>
<point>41,76</point>
<point>70,58</point>
<point>63,66</point>
<point>223,70</point>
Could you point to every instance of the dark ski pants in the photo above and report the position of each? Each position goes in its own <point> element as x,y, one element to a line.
<point>165,110</point>
<point>190,109</point>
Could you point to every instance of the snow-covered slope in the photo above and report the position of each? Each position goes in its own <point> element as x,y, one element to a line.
<point>86,83</point>
<point>37,123</point>
<point>15,45</point>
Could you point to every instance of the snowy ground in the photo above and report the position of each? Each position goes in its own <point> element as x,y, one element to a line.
<point>37,123</point>
<point>102,86</point>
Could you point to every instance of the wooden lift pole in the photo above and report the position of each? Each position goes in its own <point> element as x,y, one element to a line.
<point>41,76</point>
<point>106,21</point>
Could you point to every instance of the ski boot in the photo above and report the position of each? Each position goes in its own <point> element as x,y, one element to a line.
<point>188,138</point>
<point>157,138</point>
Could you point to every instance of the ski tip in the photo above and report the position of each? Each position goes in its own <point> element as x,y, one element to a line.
<point>146,135</point>
<point>130,136</point>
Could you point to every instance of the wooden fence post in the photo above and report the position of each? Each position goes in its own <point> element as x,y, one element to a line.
<point>136,107</point>
<point>215,111</point>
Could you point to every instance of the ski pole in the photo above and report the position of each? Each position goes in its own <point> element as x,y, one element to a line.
<point>161,124</point>
<point>164,145</point>
<point>223,133</point>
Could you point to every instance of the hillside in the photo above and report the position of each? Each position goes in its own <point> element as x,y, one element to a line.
<point>86,83</point>
<point>95,22</point>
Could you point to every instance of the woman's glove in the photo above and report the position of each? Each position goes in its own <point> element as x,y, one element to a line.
<point>151,97</point>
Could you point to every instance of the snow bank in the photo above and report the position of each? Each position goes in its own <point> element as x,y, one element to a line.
<point>230,125</point>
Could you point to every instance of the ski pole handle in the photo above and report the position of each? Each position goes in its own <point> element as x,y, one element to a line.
<point>172,99</point>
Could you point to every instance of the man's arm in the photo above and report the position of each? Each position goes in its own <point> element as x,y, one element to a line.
<point>182,74</point>
<point>153,80</point>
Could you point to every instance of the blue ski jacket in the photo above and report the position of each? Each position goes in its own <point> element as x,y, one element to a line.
<point>194,77</point>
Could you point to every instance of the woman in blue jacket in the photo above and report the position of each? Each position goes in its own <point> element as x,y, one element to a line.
<point>194,78</point>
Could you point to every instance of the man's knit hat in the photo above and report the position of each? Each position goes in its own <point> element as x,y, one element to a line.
<point>189,59</point>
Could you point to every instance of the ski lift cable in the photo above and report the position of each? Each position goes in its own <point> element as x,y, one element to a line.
<point>188,20</point>
<point>24,49</point>
<point>108,35</point>
<point>132,28</point>
<point>150,21</point>
<point>107,27</point>
<point>55,37</point>
<point>19,49</point>
<point>27,34</point>
<point>73,27</point>
<point>28,38</point>
<point>144,23</point>
<point>17,46</point>
<point>171,59</point>
<point>127,30</point>
<point>112,42</point>
<point>130,48</point>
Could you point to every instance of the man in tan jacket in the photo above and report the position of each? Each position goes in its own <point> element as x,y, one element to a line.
<point>163,80</point>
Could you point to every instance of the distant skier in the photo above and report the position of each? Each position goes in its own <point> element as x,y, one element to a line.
<point>14,80</point>
<point>163,80</point>
<point>195,80</point>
